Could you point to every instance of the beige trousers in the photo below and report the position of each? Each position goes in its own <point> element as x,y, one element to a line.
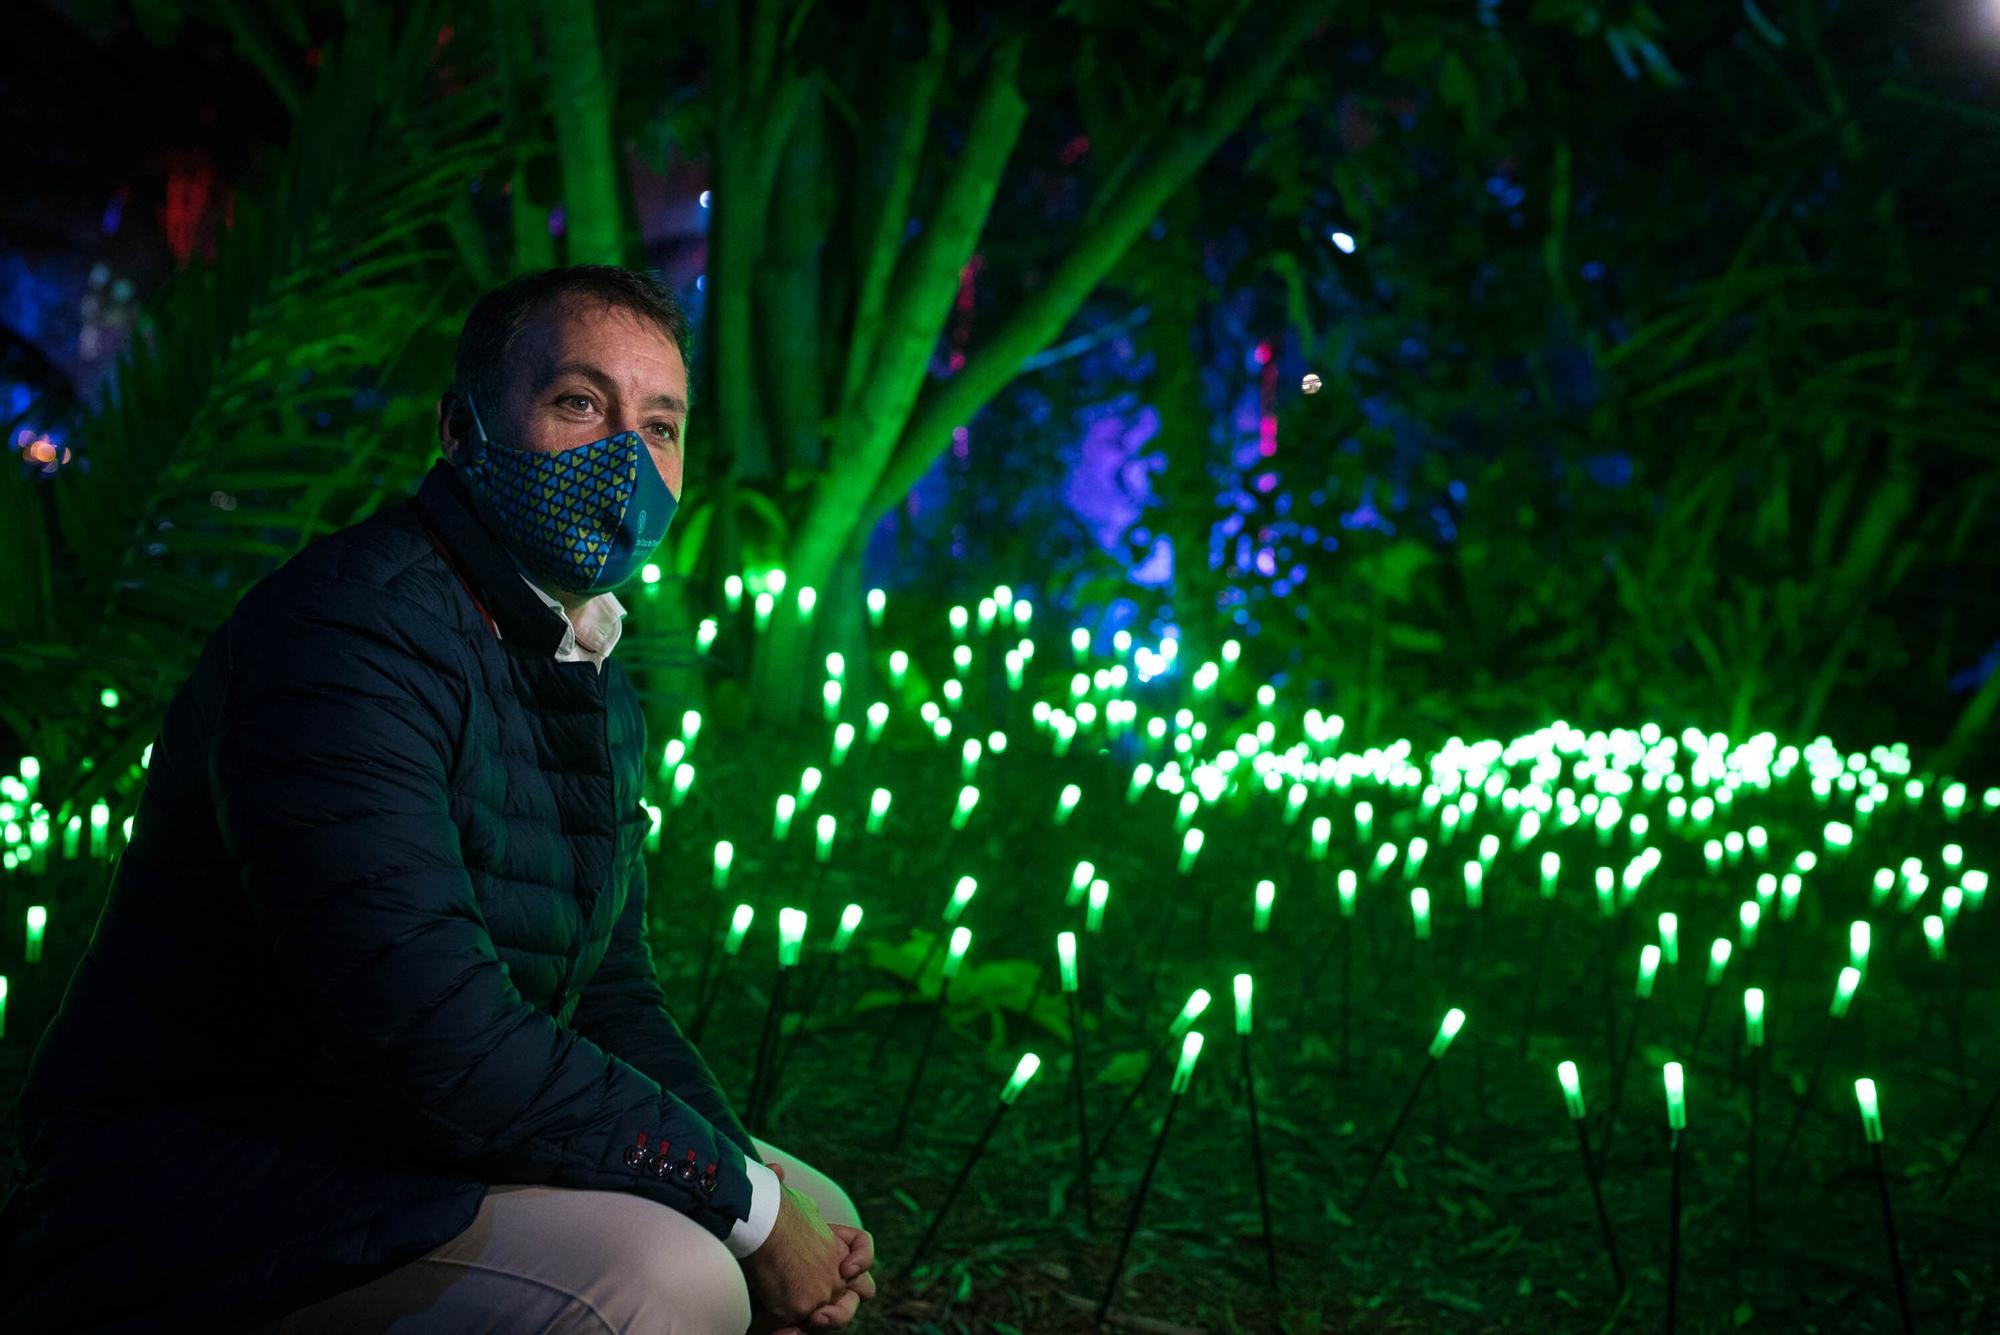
<point>558,1261</point>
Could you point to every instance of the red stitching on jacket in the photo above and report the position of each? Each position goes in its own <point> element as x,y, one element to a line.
<point>452,562</point>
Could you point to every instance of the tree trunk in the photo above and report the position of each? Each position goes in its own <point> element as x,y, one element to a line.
<point>581,96</point>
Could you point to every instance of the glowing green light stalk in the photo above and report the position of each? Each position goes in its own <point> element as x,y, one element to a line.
<point>1066,959</point>
<point>1934,936</point>
<point>1420,912</point>
<point>1718,959</point>
<point>1676,1083</point>
<point>1572,1088</point>
<point>1191,843</point>
<point>1079,883</point>
<point>878,809</point>
<point>968,798</point>
<point>38,921</point>
<point>739,927</point>
<point>683,784</point>
<point>1844,989</point>
<point>961,895</point>
<point>1871,1111</point>
<point>961,941</point>
<point>1093,913</point>
<point>725,858</point>
<point>1454,1020</point>
<point>1184,1071</point>
<point>781,819</point>
<point>1024,1071</point>
<point>791,936</point>
<point>1266,895</point>
<point>825,831</point>
<point>850,922</point>
<point>1242,986</point>
<point>1347,887</point>
<point>1753,1016</point>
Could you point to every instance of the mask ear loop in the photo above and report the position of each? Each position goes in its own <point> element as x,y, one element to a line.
<point>485,441</point>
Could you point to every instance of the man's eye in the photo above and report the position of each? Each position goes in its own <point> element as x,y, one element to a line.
<point>668,429</point>
<point>583,399</point>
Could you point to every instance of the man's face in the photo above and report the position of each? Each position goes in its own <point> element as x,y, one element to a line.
<point>580,373</point>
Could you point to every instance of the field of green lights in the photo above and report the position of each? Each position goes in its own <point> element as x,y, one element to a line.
<point>1117,983</point>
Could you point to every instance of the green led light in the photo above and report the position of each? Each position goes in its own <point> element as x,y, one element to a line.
<point>1572,1088</point>
<point>1322,836</point>
<point>774,582</point>
<point>1718,959</point>
<point>1454,1020</point>
<point>878,601</point>
<point>1475,880</point>
<point>725,858</point>
<point>108,697</point>
<point>1677,1113</point>
<point>1749,915</point>
<point>649,573</point>
<point>1079,642</point>
<point>1024,1071</point>
<point>1858,936</point>
<point>1844,989</point>
<point>1420,912</point>
<point>825,830</point>
<point>843,741</point>
<point>1066,959</point>
<point>1093,913</point>
<point>739,927</point>
<point>899,666</point>
<point>1607,892</point>
<point>1347,884</point>
<point>968,798</point>
<point>850,922</point>
<point>961,941</point>
<point>1551,871</point>
<point>1242,985</point>
<point>1934,935</point>
<point>1753,1016</point>
<point>1670,938</point>
<point>1788,896</point>
<point>1871,1111</point>
<point>1953,856</point>
<point>1190,849</point>
<point>830,697</point>
<point>1649,970</point>
<point>878,718</point>
<point>791,936</point>
<point>1066,802</point>
<point>1184,1072</point>
<point>968,762</point>
<point>1266,895</point>
<point>781,818</point>
<point>878,809</point>
<point>961,895</point>
<point>1197,1002</point>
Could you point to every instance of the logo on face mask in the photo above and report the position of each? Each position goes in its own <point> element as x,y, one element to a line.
<point>579,518</point>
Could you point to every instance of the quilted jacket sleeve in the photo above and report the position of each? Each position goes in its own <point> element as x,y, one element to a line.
<point>624,1010</point>
<point>330,771</point>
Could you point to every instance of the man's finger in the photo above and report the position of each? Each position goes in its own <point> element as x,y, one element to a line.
<point>863,1284</point>
<point>860,1249</point>
<point>837,1314</point>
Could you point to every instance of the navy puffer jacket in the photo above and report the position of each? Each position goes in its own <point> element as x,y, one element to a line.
<point>378,941</point>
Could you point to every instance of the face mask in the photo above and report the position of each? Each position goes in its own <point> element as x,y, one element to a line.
<point>584,519</point>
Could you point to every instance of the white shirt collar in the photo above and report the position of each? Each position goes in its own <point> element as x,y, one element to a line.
<point>591,633</point>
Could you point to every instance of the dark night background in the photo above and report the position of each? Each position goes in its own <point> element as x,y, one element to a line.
<point>1659,390</point>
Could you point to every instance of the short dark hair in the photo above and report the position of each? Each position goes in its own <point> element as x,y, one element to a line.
<point>496,321</point>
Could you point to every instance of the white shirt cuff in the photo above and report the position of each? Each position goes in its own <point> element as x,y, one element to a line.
<point>747,1235</point>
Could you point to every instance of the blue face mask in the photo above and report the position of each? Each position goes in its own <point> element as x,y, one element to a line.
<point>584,519</point>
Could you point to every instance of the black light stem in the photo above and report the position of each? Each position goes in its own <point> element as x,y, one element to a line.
<point>1971,1139</point>
<point>1395,1129</point>
<point>964,1171</point>
<point>1889,1232</point>
<point>1805,1104</point>
<point>1618,1080</point>
<point>708,1002</point>
<point>1755,1136</point>
<point>1674,1237</point>
<point>1138,1205</point>
<point>1257,1159</point>
<point>1082,1115</point>
<point>1535,979</point>
<point>1131,1097</point>
<point>760,1081</point>
<point>917,1073</point>
<point>1597,1200</point>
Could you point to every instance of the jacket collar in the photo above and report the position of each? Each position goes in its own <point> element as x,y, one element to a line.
<point>473,545</point>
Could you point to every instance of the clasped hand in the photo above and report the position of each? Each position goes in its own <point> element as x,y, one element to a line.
<point>809,1275</point>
